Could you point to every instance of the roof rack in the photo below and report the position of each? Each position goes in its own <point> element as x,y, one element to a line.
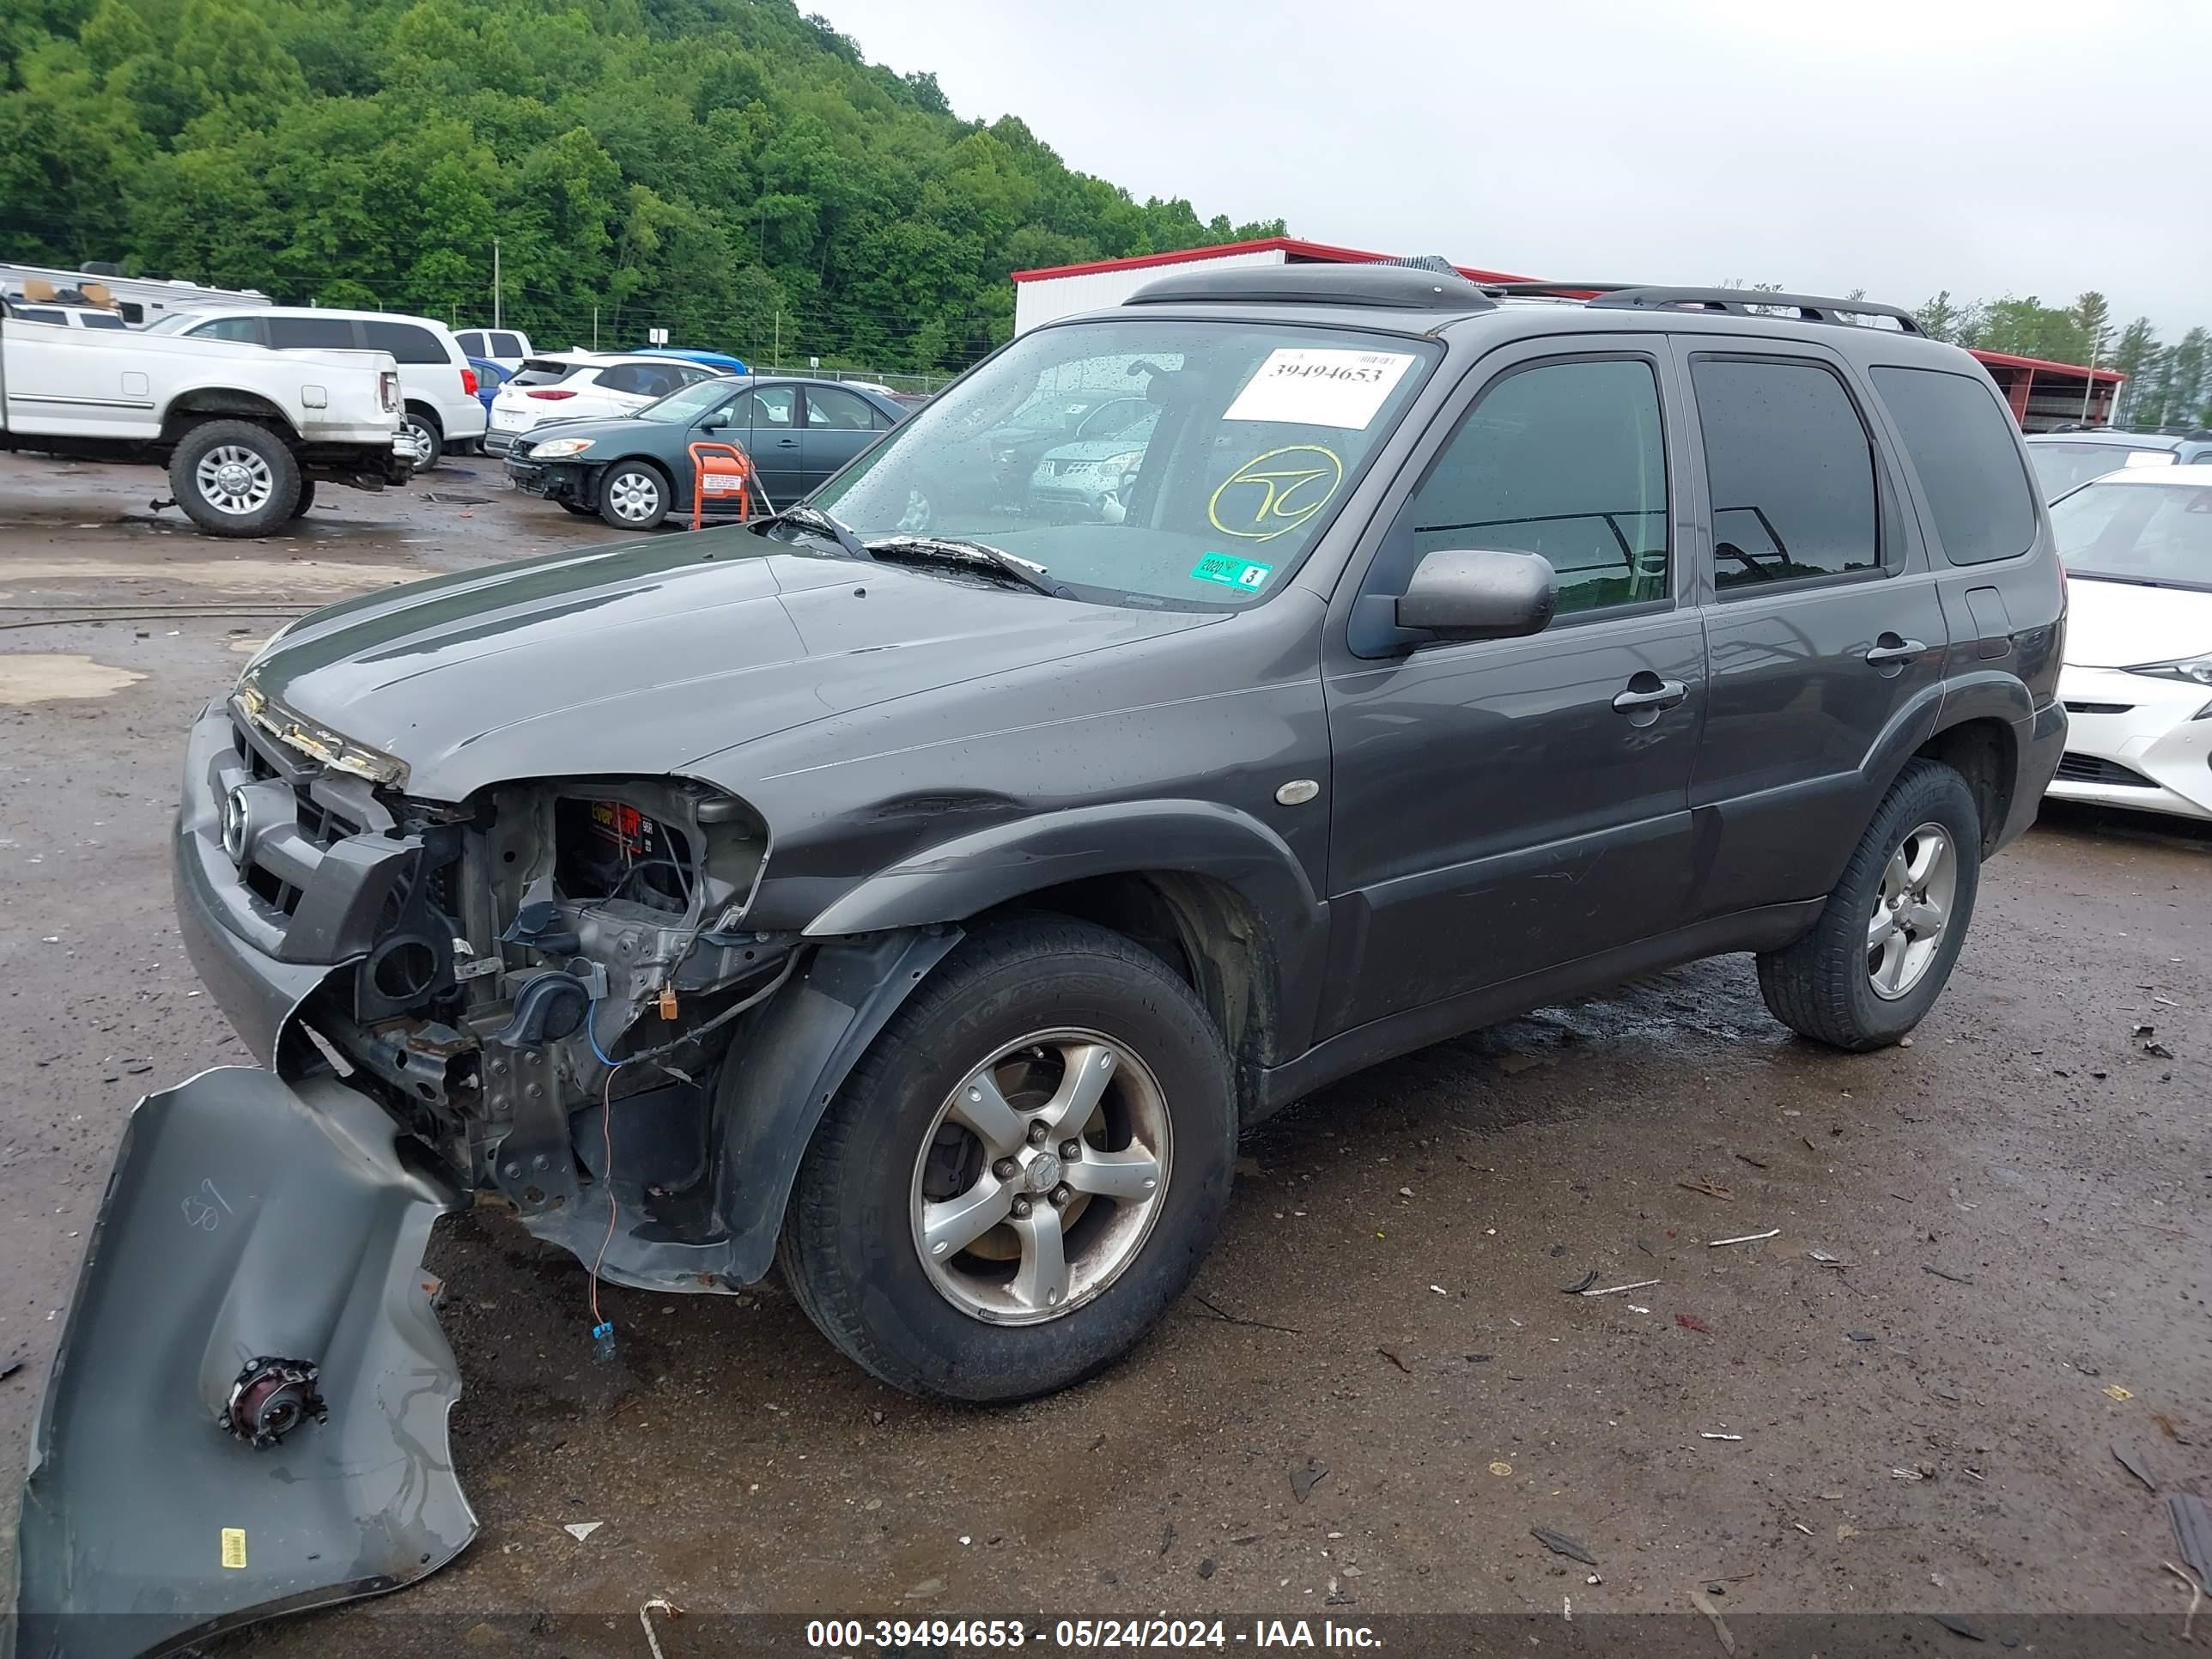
<point>1739,301</point>
<point>1379,287</point>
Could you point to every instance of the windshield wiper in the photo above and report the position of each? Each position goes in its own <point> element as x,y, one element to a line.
<point>975,555</point>
<point>813,519</point>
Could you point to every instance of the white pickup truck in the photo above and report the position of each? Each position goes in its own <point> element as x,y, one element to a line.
<point>245,432</point>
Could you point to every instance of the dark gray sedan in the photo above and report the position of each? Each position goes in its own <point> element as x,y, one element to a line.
<point>637,470</point>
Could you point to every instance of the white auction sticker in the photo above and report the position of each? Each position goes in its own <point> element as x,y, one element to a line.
<point>1305,385</point>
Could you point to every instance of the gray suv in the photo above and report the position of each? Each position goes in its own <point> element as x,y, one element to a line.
<point>918,894</point>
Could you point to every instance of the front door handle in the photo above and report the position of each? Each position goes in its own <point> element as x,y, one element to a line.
<point>787,443</point>
<point>1647,692</point>
<point>1890,649</point>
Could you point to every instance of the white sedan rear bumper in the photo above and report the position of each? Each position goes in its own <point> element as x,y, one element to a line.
<point>2135,740</point>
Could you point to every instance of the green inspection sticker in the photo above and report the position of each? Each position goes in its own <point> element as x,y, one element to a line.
<point>1231,572</point>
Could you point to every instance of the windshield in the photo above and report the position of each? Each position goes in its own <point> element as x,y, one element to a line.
<point>176,322</point>
<point>1152,462</point>
<point>682,408</point>
<point>2135,532</point>
<point>2061,467</point>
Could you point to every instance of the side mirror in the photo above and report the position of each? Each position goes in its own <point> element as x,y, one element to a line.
<point>1480,593</point>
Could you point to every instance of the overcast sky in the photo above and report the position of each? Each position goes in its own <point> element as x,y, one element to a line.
<point>1900,146</point>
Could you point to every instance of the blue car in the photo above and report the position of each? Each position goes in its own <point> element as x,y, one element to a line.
<point>489,378</point>
<point>719,360</point>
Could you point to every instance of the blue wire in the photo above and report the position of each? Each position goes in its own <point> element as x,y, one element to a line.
<point>592,1035</point>
<point>602,1334</point>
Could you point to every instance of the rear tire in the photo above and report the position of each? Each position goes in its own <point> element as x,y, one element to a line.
<point>234,478</point>
<point>1883,949</point>
<point>420,428</point>
<point>581,512</point>
<point>633,495</point>
<point>1089,1233</point>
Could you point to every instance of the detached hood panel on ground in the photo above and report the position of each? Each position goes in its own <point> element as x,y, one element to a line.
<point>2123,625</point>
<point>243,1221</point>
<point>647,659</point>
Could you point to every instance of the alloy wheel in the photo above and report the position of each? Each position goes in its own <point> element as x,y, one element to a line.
<point>1041,1178</point>
<point>233,479</point>
<point>1911,910</point>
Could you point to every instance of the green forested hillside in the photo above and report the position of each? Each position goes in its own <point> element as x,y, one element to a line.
<point>725,169</point>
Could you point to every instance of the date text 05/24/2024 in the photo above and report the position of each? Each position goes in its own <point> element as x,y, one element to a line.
<point>859,1637</point>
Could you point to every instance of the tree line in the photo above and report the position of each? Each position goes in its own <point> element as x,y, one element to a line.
<point>730,170</point>
<point>2167,385</point>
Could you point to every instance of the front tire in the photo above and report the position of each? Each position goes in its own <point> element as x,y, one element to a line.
<point>307,502</point>
<point>1023,1173</point>
<point>1883,949</point>
<point>234,478</point>
<point>633,495</point>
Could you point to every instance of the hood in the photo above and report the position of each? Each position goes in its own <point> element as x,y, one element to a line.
<point>649,660</point>
<point>616,427</point>
<point>2122,625</point>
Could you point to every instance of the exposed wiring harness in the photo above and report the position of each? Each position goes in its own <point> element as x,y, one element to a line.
<point>603,1329</point>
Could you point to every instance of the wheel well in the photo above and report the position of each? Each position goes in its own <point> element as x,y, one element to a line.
<point>428,411</point>
<point>191,408</point>
<point>1980,752</point>
<point>1204,929</point>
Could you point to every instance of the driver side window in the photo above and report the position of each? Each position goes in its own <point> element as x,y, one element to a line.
<point>1567,459</point>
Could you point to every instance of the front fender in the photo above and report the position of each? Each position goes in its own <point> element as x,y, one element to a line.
<point>956,880</point>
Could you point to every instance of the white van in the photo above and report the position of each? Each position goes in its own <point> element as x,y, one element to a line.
<point>442,410</point>
<point>507,347</point>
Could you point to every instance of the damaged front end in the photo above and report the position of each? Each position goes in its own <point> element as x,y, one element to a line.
<point>246,1414</point>
<point>546,996</point>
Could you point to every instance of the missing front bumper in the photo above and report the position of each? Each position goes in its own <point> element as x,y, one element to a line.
<point>245,1219</point>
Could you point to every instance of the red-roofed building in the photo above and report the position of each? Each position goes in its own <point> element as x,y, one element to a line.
<point>2043,395</point>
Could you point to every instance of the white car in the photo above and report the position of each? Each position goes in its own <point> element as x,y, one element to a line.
<point>70,316</point>
<point>442,410</point>
<point>507,347</point>
<point>2137,682</point>
<point>583,386</point>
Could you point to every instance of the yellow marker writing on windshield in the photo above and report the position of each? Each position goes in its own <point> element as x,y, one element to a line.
<point>1273,494</point>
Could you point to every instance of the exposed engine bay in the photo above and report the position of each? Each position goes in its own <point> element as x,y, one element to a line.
<point>560,951</point>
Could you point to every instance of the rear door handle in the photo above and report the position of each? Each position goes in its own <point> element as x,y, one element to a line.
<point>1659,694</point>
<point>787,443</point>
<point>1892,649</point>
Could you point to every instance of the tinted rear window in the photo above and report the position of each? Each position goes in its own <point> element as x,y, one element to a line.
<point>471,343</point>
<point>504,345</point>
<point>542,371</point>
<point>101,320</point>
<point>41,314</point>
<point>298,334</point>
<point>1791,470</point>
<point>408,343</point>
<point>1960,442</point>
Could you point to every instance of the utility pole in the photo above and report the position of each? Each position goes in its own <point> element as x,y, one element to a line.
<point>2096,346</point>
<point>595,328</point>
<point>775,356</point>
<point>494,282</point>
